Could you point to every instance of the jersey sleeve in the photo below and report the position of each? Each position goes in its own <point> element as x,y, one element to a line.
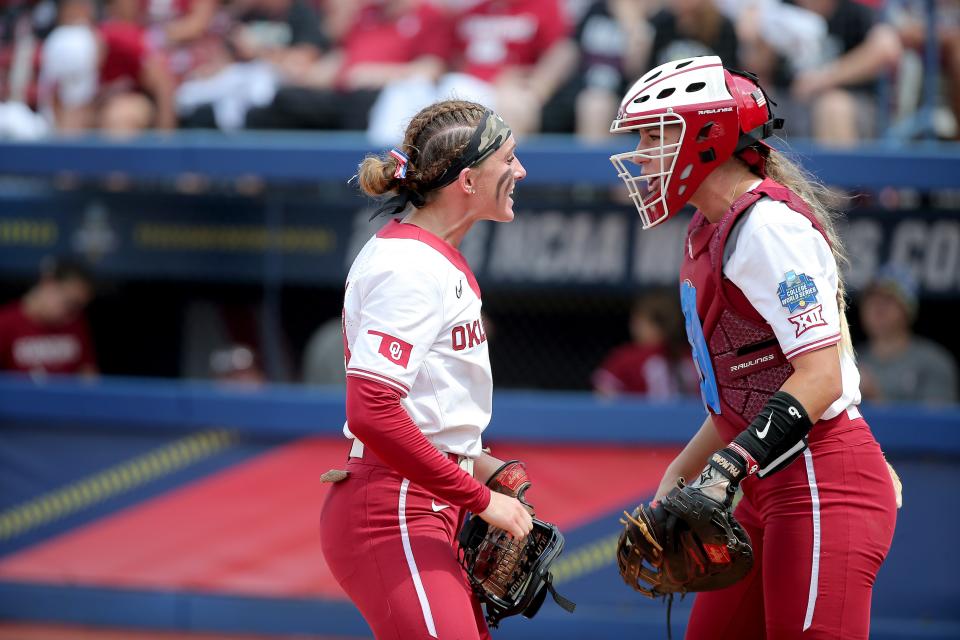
<point>787,271</point>
<point>401,312</point>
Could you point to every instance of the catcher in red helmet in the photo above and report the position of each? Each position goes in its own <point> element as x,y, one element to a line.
<point>763,300</point>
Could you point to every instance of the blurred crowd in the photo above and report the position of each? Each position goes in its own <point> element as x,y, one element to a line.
<point>840,70</point>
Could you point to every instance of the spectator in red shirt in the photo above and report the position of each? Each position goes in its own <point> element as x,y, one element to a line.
<point>521,49</point>
<point>136,84</point>
<point>510,55</point>
<point>46,330</point>
<point>104,77</point>
<point>653,364</point>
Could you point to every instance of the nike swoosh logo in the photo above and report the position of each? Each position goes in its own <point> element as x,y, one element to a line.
<point>763,434</point>
<point>437,507</point>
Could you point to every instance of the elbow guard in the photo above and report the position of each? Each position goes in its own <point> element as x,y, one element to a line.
<point>777,436</point>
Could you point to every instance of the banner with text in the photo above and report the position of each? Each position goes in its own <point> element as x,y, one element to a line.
<point>303,240</point>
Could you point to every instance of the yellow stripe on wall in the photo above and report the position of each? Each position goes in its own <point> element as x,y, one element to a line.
<point>585,559</point>
<point>113,481</point>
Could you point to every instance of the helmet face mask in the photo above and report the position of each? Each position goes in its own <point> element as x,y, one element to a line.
<point>716,112</point>
<point>648,169</point>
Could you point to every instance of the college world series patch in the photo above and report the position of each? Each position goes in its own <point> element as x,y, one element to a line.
<point>797,291</point>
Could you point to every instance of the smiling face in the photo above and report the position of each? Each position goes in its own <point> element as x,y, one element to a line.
<point>494,182</point>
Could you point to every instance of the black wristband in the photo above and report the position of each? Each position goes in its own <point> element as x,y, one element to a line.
<point>780,428</point>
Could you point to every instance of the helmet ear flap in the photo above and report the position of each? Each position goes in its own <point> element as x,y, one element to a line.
<point>754,111</point>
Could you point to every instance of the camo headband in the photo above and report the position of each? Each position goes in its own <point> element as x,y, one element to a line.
<point>489,136</point>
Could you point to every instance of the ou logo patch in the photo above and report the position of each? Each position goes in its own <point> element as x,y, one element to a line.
<point>393,349</point>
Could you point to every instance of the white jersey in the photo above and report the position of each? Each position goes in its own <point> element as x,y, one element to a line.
<point>411,320</point>
<point>787,271</point>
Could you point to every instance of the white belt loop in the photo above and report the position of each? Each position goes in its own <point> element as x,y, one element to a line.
<point>466,464</point>
<point>356,449</point>
<point>853,412</point>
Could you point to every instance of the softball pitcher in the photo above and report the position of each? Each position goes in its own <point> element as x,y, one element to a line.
<point>419,386</point>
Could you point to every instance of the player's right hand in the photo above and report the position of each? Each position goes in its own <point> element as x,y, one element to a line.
<point>508,513</point>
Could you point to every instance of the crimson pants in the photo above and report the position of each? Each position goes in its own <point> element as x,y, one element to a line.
<point>393,553</point>
<point>820,529</point>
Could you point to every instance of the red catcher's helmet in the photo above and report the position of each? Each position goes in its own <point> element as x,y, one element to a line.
<point>719,112</point>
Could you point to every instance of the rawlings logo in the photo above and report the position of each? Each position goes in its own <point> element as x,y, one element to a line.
<point>717,553</point>
<point>750,363</point>
<point>513,477</point>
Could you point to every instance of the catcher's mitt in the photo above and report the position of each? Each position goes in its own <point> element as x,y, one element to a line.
<point>685,542</point>
<point>509,575</point>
